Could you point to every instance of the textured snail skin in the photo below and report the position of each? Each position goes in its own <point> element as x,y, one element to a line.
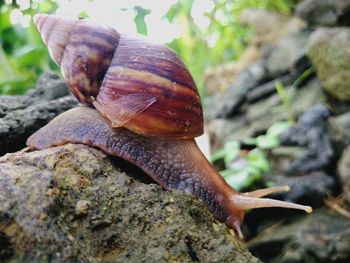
<point>174,164</point>
<point>133,82</point>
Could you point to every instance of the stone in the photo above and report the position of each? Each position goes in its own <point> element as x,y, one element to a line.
<point>305,97</point>
<point>228,104</point>
<point>224,130</point>
<point>339,130</point>
<point>265,112</point>
<point>20,116</point>
<point>310,189</point>
<point>82,207</point>
<point>287,53</point>
<point>323,236</point>
<point>260,112</point>
<point>123,220</point>
<point>329,51</point>
<point>324,12</point>
<point>344,166</point>
<point>310,132</point>
<point>269,28</point>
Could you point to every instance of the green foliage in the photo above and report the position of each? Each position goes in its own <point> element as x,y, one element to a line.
<point>255,163</point>
<point>23,56</point>
<point>229,152</point>
<point>225,38</point>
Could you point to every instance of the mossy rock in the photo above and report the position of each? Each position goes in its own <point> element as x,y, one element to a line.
<point>72,204</point>
<point>329,51</point>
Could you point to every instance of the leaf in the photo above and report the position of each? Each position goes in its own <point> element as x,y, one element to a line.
<point>239,180</point>
<point>258,159</point>
<point>267,142</point>
<point>229,152</point>
<point>232,149</point>
<point>281,90</point>
<point>218,155</point>
<point>229,172</point>
<point>139,19</point>
<point>249,141</point>
<point>278,128</point>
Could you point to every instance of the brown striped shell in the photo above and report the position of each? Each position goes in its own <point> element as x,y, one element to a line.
<point>134,83</point>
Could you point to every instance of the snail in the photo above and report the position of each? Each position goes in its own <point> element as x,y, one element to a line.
<point>143,106</point>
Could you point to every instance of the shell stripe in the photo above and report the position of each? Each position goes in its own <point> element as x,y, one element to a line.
<point>115,72</point>
<point>125,85</point>
<point>141,55</point>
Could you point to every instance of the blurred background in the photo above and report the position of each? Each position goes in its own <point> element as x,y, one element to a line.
<point>274,80</point>
<point>203,32</point>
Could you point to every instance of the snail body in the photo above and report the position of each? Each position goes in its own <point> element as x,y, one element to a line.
<point>147,112</point>
<point>173,164</point>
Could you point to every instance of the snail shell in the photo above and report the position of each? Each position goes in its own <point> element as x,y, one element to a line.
<point>134,83</point>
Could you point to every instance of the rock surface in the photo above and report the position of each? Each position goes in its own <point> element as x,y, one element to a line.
<point>20,116</point>
<point>287,53</point>
<point>324,12</point>
<point>310,189</point>
<point>269,28</point>
<point>71,204</point>
<point>339,131</point>
<point>344,166</point>
<point>329,51</point>
<point>323,236</point>
<point>310,132</point>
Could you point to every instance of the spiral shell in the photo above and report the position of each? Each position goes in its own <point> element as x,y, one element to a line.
<point>134,83</point>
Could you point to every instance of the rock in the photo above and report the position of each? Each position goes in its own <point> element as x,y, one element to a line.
<point>265,112</point>
<point>22,115</point>
<point>310,189</point>
<point>324,12</point>
<point>281,157</point>
<point>323,236</point>
<point>310,132</point>
<point>119,219</point>
<point>228,104</point>
<point>269,28</point>
<point>287,53</point>
<point>305,97</point>
<point>82,207</point>
<point>218,79</point>
<point>329,51</point>
<point>339,131</point>
<point>260,112</point>
<point>344,166</point>
<point>268,88</point>
<point>224,130</point>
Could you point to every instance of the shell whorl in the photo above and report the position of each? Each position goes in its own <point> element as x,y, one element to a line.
<point>83,49</point>
<point>55,33</point>
<point>134,83</point>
